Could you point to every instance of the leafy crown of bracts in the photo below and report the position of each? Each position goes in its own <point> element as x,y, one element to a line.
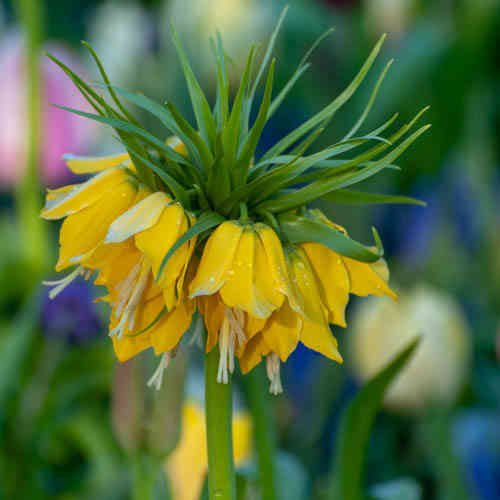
<point>219,179</point>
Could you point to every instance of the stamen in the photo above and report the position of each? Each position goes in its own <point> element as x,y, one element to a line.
<point>61,284</point>
<point>236,319</point>
<point>231,330</point>
<point>127,319</point>
<point>197,337</point>
<point>157,377</point>
<point>126,288</point>
<point>273,373</point>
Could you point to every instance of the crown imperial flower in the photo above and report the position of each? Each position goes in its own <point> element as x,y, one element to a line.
<point>196,223</point>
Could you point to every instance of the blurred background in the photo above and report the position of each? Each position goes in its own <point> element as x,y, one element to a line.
<point>75,425</point>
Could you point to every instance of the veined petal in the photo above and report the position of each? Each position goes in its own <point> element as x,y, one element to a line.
<point>278,269</point>
<point>306,285</point>
<point>255,348</point>
<point>212,309</point>
<point>85,194</point>
<point>82,232</point>
<point>240,289</point>
<point>140,217</point>
<point>216,260</point>
<point>365,280</point>
<point>91,164</point>
<point>319,338</point>
<point>169,330</point>
<point>282,331</point>
<point>333,279</point>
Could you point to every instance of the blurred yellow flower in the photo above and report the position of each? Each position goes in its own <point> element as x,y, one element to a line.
<point>436,372</point>
<point>187,466</point>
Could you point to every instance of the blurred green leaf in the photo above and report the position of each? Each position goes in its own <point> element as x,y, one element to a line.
<point>355,427</point>
<point>400,489</point>
<point>347,197</point>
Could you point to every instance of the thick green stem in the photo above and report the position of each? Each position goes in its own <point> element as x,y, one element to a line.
<point>259,402</point>
<point>218,409</point>
<point>145,472</point>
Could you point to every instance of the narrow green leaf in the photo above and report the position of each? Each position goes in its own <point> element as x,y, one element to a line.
<point>347,197</point>
<point>265,61</point>
<point>108,83</point>
<point>321,187</point>
<point>298,229</point>
<point>248,149</point>
<point>328,111</point>
<point>371,100</point>
<point>206,221</point>
<point>223,83</point>
<point>202,111</point>
<point>353,435</point>
<point>192,134</point>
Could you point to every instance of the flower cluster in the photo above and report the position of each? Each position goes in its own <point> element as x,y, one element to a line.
<point>195,224</point>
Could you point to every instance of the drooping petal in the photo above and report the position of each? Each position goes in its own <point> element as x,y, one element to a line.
<point>333,279</point>
<point>167,334</point>
<point>82,232</point>
<point>252,355</point>
<point>91,164</point>
<point>85,194</point>
<point>217,259</point>
<point>305,282</point>
<point>319,338</point>
<point>365,280</point>
<point>278,269</point>
<point>212,309</point>
<point>54,194</point>
<point>241,287</point>
<point>140,217</point>
<point>282,331</point>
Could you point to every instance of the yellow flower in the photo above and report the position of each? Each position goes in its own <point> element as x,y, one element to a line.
<point>116,226</point>
<point>187,466</point>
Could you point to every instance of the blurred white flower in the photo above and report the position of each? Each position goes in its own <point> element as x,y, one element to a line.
<point>388,16</point>
<point>382,328</point>
<point>122,34</point>
<point>240,22</point>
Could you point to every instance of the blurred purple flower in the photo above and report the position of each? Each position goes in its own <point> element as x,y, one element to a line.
<point>72,316</point>
<point>61,132</point>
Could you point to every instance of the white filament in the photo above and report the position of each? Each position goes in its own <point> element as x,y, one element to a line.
<point>157,379</point>
<point>273,373</point>
<point>61,284</point>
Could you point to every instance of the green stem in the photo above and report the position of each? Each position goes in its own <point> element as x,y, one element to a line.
<point>33,233</point>
<point>145,469</point>
<point>218,409</point>
<point>259,402</point>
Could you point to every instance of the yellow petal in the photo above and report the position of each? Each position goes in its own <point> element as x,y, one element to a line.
<point>365,280</point>
<point>212,309</point>
<point>319,338</point>
<point>333,279</point>
<point>169,330</point>
<point>177,145</point>
<point>115,267</point>
<point>282,331</point>
<point>140,217</point>
<point>217,259</point>
<point>53,194</point>
<point>91,164</point>
<point>255,348</point>
<point>84,194</point>
<point>306,285</point>
<point>241,287</point>
<point>82,232</point>
<point>278,269</point>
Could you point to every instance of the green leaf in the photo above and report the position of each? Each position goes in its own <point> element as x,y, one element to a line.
<point>355,426</point>
<point>299,229</point>
<point>243,163</point>
<point>207,221</point>
<point>202,111</point>
<point>318,189</point>
<point>301,68</point>
<point>347,197</point>
<point>328,111</point>
<point>17,342</point>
